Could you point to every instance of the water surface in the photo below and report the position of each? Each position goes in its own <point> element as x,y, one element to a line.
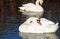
<point>12,33</point>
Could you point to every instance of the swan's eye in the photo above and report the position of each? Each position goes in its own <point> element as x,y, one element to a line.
<point>30,21</point>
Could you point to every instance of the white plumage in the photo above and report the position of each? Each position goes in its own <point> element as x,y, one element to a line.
<point>31,26</point>
<point>32,9</point>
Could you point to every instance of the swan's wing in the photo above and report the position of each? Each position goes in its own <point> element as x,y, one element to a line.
<point>47,21</point>
<point>28,5</point>
<point>52,27</point>
<point>23,27</point>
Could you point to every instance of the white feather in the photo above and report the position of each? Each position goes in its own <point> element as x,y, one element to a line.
<point>33,27</point>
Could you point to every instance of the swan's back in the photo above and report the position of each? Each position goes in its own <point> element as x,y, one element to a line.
<point>28,5</point>
<point>46,21</point>
<point>31,7</point>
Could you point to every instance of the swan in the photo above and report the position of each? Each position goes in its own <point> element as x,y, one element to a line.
<point>31,9</point>
<point>29,24</point>
<point>36,25</point>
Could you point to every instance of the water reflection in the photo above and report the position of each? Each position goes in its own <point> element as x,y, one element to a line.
<point>10,31</point>
<point>38,35</point>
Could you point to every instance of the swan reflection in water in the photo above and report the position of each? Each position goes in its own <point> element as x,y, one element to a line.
<point>38,35</point>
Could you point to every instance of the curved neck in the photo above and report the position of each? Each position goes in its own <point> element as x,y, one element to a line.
<point>37,3</point>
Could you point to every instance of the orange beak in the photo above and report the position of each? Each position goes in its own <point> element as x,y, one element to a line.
<point>38,21</point>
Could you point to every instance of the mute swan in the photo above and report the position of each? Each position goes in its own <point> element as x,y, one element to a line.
<point>33,25</point>
<point>31,9</point>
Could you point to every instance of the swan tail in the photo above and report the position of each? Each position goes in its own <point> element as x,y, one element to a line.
<point>22,8</point>
<point>56,26</point>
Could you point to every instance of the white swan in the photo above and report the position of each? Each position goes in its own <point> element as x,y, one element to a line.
<point>32,9</point>
<point>29,24</point>
<point>33,25</point>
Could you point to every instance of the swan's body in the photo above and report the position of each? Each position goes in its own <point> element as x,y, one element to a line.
<point>32,9</point>
<point>48,26</point>
<point>31,26</point>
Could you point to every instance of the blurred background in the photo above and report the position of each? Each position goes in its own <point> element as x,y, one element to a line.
<point>11,18</point>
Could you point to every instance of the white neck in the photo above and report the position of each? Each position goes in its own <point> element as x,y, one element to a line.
<point>39,1</point>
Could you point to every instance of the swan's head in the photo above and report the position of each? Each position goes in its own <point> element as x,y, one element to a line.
<point>39,1</point>
<point>33,20</point>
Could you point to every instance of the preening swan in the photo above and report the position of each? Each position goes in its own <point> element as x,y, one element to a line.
<point>32,9</point>
<point>36,25</point>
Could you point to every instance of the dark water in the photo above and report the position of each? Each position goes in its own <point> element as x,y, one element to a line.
<point>10,31</point>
